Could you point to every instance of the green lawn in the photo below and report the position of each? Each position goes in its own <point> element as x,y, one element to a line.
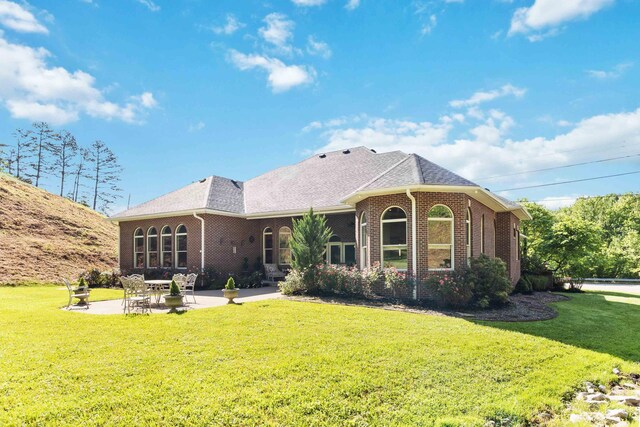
<point>289,363</point>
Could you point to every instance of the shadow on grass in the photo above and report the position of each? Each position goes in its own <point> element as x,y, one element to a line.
<point>591,322</point>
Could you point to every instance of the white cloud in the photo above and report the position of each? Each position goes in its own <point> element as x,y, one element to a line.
<point>195,127</point>
<point>231,26</point>
<point>486,96</point>
<point>352,4</point>
<point>550,14</point>
<point>557,202</point>
<point>307,3</point>
<point>429,25</point>
<point>150,5</point>
<point>319,48</point>
<point>281,77</point>
<point>278,31</point>
<point>32,89</point>
<point>17,18</point>
<point>614,73</point>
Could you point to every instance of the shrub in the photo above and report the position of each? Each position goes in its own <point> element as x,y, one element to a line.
<point>449,289</point>
<point>293,284</point>
<point>489,280</point>
<point>95,278</point>
<point>308,242</point>
<point>231,284</point>
<point>174,289</point>
<point>343,280</point>
<point>538,283</point>
<point>396,281</point>
<point>210,278</point>
<point>523,286</point>
<point>254,280</point>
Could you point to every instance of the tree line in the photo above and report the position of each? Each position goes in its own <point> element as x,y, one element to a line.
<point>594,237</point>
<point>87,175</point>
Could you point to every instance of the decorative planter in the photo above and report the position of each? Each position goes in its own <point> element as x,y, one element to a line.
<point>173,302</point>
<point>230,294</point>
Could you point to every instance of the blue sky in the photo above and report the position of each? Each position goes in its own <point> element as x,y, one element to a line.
<point>184,89</point>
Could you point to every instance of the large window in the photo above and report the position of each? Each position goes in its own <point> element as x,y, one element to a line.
<point>138,248</point>
<point>468,232</point>
<point>394,238</point>
<point>181,246</point>
<point>364,241</point>
<point>152,248</point>
<point>440,229</point>
<point>284,235</point>
<point>166,243</point>
<point>267,246</point>
<point>339,252</point>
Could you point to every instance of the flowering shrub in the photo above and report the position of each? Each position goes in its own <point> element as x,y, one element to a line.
<point>449,289</point>
<point>396,281</point>
<point>343,280</point>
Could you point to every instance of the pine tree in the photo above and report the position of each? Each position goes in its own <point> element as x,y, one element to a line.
<point>308,242</point>
<point>79,172</point>
<point>64,153</point>
<point>21,152</point>
<point>40,144</point>
<point>105,174</point>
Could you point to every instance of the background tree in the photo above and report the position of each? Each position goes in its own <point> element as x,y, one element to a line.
<point>105,175</point>
<point>64,152</point>
<point>41,140</point>
<point>308,242</point>
<point>21,152</point>
<point>78,173</point>
<point>4,159</point>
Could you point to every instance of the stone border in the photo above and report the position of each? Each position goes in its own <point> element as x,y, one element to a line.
<point>522,308</point>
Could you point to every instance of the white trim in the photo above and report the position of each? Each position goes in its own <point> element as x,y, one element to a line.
<point>364,247</point>
<point>399,247</point>
<point>148,252</point>
<point>451,246</point>
<point>290,233</point>
<point>135,264</point>
<point>468,234</point>
<point>201,240</point>
<point>162,252</point>
<point>414,245</point>
<point>264,249</point>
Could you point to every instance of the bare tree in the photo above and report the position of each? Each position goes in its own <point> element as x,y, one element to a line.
<point>105,173</point>
<point>41,142</point>
<point>4,160</point>
<point>10,161</point>
<point>64,152</point>
<point>21,152</point>
<point>79,172</point>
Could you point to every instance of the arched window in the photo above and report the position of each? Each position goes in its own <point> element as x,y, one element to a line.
<point>138,248</point>
<point>468,232</point>
<point>181,246</point>
<point>166,243</point>
<point>482,234</point>
<point>284,235</point>
<point>394,238</point>
<point>440,234</point>
<point>364,241</point>
<point>152,248</point>
<point>267,245</point>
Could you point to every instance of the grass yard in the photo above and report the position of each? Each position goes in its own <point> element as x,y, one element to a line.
<point>290,363</point>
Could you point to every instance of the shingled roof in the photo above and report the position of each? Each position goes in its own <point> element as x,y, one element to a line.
<point>323,181</point>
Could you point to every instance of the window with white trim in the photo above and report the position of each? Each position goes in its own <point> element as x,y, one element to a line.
<point>440,236</point>
<point>284,248</point>
<point>394,238</point>
<point>181,246</point>
<point>339,252</point>
<point>138,248</point>
<point>166,247</point>
<point>482,234</point>
<point>152,248</point>
<point>267,245</point>
<point>364,241</point>
<point>468,232</point>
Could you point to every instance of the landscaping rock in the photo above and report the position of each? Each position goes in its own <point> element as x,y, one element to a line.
<point>617,413</point>
<point>622,424</point>
<point>576,418</point>
<point>617,390</point>
<point>616,371</point>
<point>612,420</point>
<point>602,388</point>
<point>627,400</point>
<point>596,398</point>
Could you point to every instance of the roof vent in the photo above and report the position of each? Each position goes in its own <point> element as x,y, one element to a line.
<point>486,189</point>
<point>346,151</point>
<point>322,156</point>
<point>202,180</point>
<point>373,151</point>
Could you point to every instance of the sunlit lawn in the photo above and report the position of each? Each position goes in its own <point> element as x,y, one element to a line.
<point>292,363</point>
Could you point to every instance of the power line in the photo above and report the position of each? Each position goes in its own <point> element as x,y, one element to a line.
<point>570,182</point>
<point>560,167</point>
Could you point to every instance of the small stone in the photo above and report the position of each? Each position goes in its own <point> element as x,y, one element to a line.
<point>602,388</point>
<point>617,390</point>
<point>582,395</point>
<point>617,413</point>
<point>588,384</point>
<point>596,397</point>
<point>612,420</point>
<point>576,418</point>
<point>622,424</point>
<point>627,400</point>
<point>616,371</point>
<point>591,390</point>
<point>490,423</point>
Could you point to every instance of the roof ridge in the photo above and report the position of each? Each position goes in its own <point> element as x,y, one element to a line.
<point>208,192</point>
<point>366,184</point>
<point>419,171</point>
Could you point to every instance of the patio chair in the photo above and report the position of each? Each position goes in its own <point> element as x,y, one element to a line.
<point>131,276</point>
<point>272,273</point>
<point>136,294</point>
<point>81,294</point>
<point>190,287</point>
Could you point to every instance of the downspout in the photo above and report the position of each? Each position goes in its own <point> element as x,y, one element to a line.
<point>414,244</point>
<point>201,241</point>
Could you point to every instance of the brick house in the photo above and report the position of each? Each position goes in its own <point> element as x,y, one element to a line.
<point>394,208</point>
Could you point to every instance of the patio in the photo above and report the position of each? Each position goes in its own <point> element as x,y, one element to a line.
<point>204,299</point>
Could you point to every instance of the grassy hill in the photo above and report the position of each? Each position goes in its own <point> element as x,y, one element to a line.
<point>45,237</point>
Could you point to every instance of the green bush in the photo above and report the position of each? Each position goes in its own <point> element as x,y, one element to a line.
<point>254,280</point>
<point>538,283</point>
<point>343,280</point>
<point>449,289</point>
<point>174,289</point>
<point>101,279</point>
<point>293,284</point>
<point>231,284</point>
<point>523,286</point>
<point>489,280</point>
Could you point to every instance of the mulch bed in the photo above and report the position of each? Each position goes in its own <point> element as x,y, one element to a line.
<point>521,308</point>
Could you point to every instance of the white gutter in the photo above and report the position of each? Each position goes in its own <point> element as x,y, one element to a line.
<point>201,240</point>
<point>414,244</point>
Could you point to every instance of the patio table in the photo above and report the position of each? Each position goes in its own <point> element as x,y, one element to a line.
<point>157,287</point>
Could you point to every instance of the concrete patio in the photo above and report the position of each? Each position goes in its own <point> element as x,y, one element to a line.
<point>204,299</point>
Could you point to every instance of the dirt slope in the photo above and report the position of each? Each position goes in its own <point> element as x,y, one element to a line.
<point>44,237</point>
